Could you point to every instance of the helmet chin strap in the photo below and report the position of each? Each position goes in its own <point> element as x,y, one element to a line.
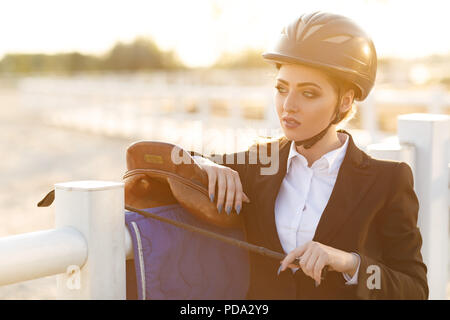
<point>308,143</point>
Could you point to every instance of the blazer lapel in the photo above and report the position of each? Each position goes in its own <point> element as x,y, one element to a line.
<point>267,187</point>
<point>352,183</point>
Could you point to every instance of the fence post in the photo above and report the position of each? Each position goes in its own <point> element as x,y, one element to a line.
<point>437,100</point>
<point>394,151</point>
<point>96,209</point>
<point>369,119</point>
<point>430,134</point>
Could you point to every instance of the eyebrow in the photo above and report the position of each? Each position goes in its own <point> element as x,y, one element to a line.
<point>301,84</point>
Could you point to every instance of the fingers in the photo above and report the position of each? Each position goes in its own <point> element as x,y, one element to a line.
<point>312,261</point>
<point>230,194</point>
<point>297,252</point>
<point>231,190</point>
<point>212,177</point>
<point>309,263</point>
<point>320,264</point>
<point>304,260</point>
<point>245,198</point>
<point>239,193</point>
<point>226,189</point>
<point>221,189</point>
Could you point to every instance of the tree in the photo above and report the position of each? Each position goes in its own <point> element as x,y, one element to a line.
<point>141,54</point>
<point>249,58</point>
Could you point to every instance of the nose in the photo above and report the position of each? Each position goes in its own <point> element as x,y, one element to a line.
<point>290,105</point>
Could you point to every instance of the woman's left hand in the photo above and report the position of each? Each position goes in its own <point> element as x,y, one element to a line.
<point>314,256</point>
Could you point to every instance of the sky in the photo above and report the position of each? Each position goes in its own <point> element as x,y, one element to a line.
<point>200,30</point>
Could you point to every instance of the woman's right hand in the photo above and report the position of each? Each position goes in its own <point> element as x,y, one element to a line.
<point>229,187</point>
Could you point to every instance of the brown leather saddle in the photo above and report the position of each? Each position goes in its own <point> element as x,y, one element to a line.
<point>160,173</point>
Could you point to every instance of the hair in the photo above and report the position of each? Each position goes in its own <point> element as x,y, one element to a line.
<point>340,86</point>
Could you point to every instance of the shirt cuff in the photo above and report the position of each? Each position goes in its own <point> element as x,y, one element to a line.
<point>354,279</point>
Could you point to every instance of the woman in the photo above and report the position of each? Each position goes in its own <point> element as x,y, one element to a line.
<point>329,203</point>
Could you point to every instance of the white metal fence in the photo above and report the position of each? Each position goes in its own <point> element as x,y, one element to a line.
<point>90,243</point>
<point>136,108</point>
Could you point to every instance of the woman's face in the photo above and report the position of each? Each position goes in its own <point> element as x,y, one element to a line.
<point>305,95</point>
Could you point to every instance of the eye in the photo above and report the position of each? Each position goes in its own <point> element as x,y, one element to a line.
<point>309,94</point>
<point>281,89</point>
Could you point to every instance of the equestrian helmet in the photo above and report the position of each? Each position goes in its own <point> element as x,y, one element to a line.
<point>331,42</point>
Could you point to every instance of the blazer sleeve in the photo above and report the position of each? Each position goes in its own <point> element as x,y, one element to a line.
<point>402,274</point>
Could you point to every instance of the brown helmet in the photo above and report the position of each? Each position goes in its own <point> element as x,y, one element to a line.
<point>331,42</point>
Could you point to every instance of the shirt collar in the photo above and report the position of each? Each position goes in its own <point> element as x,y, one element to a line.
<point>334,157</point>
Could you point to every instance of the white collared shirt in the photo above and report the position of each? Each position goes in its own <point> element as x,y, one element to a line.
<point>303,196</point>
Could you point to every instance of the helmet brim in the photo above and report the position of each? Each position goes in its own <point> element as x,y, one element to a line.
<point>274,58</point>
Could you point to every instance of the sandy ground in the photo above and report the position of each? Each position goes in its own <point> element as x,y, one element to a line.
<point>34,157</point>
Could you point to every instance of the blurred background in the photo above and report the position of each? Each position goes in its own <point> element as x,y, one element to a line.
<point>81,80</point>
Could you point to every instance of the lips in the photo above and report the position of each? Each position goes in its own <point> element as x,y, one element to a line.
<point>290,122</point>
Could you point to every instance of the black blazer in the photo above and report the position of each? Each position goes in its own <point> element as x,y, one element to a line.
<point>372,211</point>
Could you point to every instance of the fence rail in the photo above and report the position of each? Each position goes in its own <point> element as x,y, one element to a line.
<point>39,254</point>
<point>132,109</point>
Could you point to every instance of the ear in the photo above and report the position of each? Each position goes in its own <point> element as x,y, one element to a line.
<point>347,101</point>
